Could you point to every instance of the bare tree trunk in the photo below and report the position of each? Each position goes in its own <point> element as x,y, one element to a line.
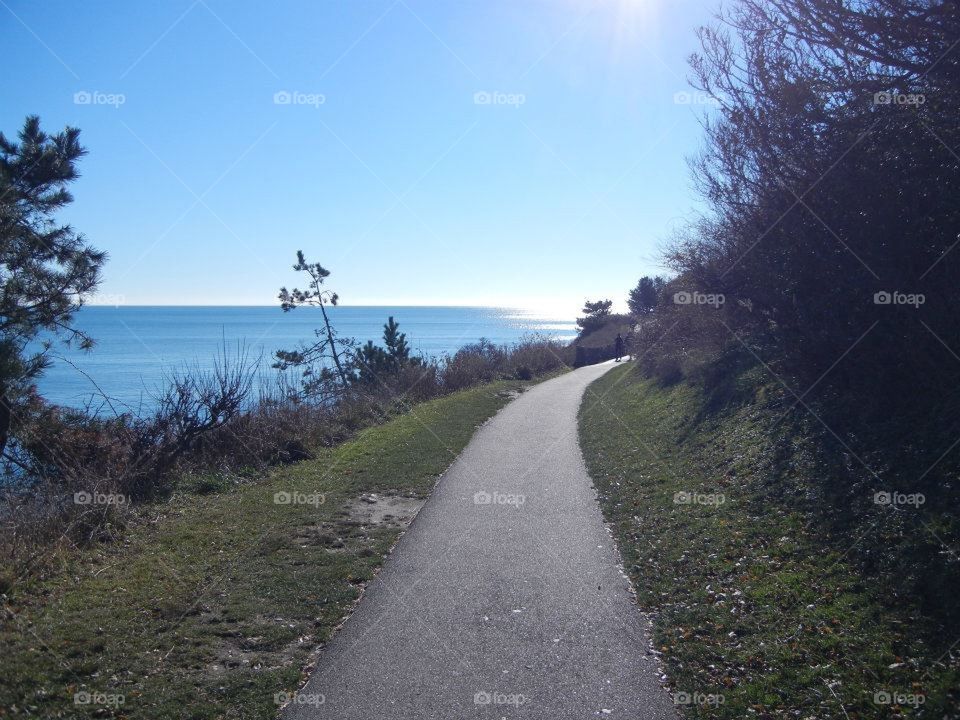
<point>333,346</point>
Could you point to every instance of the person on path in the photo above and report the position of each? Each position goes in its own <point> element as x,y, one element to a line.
<point>619,346</point>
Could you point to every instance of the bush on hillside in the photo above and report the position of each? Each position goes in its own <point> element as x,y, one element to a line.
<point>210,423</point>
<point>827,257</point>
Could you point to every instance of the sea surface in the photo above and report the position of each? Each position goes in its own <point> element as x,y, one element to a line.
<point>136,346</point>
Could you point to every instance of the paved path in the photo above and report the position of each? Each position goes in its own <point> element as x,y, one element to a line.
<point>504,598</point>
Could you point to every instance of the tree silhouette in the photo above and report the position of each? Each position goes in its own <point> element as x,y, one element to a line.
<point>594,314</point>
<point>646,295</point>
<point>328,344</point>
<point>46,269</point>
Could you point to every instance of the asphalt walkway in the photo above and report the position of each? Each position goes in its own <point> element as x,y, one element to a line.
<point>504,599</point>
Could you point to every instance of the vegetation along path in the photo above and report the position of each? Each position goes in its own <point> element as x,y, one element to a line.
<point>505,598</point>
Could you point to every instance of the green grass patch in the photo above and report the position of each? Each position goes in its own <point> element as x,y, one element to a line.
<point>213,602</point>
<point>753,598</point>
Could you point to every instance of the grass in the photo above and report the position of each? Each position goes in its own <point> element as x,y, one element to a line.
<point>758,610</point>
<point>213,603</point>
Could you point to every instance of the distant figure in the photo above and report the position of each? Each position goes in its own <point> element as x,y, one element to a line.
<point>618,343</point>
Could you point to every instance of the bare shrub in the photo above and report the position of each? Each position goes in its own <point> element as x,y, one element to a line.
<point>72,474</point>
<point>208,421</point>
<point>538,355</point>
<point>478,362</point>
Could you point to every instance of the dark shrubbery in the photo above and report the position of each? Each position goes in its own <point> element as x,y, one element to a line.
<point>828,252</point>
<point>827,259</point>
<point>832,188</point>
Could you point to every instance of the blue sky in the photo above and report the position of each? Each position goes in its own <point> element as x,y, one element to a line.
<point>507,152</point>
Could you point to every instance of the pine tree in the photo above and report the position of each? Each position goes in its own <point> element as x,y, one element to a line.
<point>377,364</point>
<point>398,352</point>
<point>328,346</point>
<point>646,295</point>
<point>46,269</point>
<point>595,314</point>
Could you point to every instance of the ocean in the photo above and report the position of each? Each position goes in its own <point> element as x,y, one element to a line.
<point>136,346</point>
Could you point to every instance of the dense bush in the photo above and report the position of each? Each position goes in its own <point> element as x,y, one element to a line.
<point>827,261</point>
<point>832,191</point>
<point>479,362</point>
<point>827,253</point>
<point>483,361</point>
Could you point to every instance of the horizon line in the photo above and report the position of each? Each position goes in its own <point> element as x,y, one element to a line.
<point>245,305</point>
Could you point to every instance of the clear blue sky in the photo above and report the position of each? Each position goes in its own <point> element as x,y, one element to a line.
<point>386,166</point>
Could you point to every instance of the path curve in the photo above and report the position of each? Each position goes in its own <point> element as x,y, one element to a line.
<point>504,599</point>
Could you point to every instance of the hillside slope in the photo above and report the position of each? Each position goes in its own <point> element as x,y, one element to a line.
<point>761,607</point>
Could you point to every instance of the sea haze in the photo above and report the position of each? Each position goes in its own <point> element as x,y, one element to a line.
<point>136,346</point>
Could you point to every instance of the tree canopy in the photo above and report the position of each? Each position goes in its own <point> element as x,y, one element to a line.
<point>47,269</point>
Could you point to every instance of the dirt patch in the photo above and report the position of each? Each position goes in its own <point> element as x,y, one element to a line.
<point>325,534</point>
<point>376,509</point>
<point>245,650</point>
